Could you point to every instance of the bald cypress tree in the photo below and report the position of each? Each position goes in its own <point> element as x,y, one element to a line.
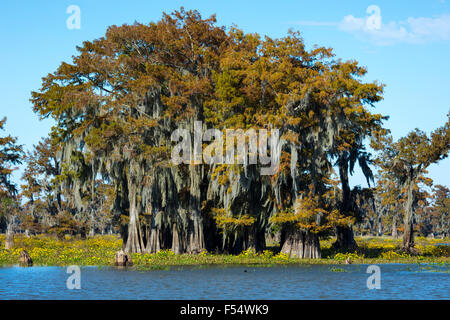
<point>10,156</point>
<point>118,102</point>
<point>406,160</point>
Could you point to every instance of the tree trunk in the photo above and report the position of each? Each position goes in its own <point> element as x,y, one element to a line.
<point>301,244</point>
<point>153,238</point>
<point>256,239</point>
<point>394,228</point>
<point>344,234</point>
<point>311,248</point>
<point>134,239</point>
<point>195,237</point>
<point>25,259</point>
<point>176,244</point>
<point>196,242</point>
<point>123,259</point>
<point>408,234</point>
<point>256,235</point>
<point>91,232</point>
<point>9,240</point>
<point>344,240</point>
<point>212,236</point>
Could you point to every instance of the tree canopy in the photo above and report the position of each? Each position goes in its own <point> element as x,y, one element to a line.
<point>117,103</point>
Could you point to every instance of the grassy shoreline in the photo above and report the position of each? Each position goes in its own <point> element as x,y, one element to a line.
<point>100,251</point>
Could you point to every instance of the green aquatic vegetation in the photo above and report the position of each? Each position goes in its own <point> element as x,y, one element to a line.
<point>344,256</point>
<point>334,269</point>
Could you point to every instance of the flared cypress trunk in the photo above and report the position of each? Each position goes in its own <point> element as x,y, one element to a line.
<point>177,247</point>
<point>344,234</point>
<point>301,244</point>
<point>9,239</point>
<point>408,234</point>
<point>256,235</point>
<point>153,240</point>
<point>256,239</point>
<point>195,237</point>
<point>345,240</point>
<point>212,236</point>
<point>394,228</point>
<point>134,240</point>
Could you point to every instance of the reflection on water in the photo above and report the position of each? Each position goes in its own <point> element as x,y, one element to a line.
<point>398,281</point>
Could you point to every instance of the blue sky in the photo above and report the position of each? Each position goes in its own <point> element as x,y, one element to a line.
<point>407,49</point>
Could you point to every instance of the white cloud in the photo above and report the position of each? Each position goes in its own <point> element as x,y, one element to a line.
<point>438,28</point>
<point>412,30</point>
<point>372,28</point>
